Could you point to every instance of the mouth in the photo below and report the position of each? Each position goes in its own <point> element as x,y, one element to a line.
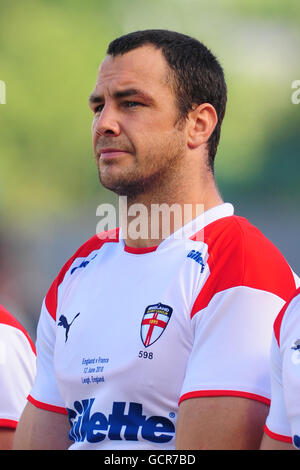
<point>110,153</point>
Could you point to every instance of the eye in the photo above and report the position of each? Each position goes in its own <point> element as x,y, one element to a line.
<point>98,108</point>
<point>131,104</point>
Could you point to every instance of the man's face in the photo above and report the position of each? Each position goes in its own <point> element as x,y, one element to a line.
<point>136,138</point>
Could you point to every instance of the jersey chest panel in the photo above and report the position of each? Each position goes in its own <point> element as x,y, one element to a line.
<point>123,323</point>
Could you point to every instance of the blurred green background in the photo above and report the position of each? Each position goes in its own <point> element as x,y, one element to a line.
<point>50,51</point>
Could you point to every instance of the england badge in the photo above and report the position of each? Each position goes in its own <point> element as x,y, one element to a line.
<point>154,322</point>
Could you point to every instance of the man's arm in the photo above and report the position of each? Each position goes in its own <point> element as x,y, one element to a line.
<point>220,423</point>
<point>273,444</point>
<point>42,430</point>
<point>6,438</point>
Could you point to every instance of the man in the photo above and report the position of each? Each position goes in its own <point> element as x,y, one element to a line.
<point>17,371</point>
<point>282,429</point>
<point>140,337</point>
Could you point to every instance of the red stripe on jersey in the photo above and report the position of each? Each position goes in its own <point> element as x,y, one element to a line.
<point>8,423</point>
<point>222,393</point>
<point>7,318</point>
<point>46,406</point>
<point>278,320</point>
<point>240,255</point>
<point>278,437</point>
<point>94,243</point>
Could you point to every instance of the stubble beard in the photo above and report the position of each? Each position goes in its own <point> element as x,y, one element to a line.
<point>159,175</point>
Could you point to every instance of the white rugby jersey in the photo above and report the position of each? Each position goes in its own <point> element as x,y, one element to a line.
<point>125,335</point>
<point>17,369</point>
<point>283,422</point>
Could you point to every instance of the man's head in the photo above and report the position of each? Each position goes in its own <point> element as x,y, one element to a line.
<point>158,94</point>
<point>195,73</point>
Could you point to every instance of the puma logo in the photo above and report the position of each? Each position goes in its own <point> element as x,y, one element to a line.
<point>296,345</point>
<point>64,323</point>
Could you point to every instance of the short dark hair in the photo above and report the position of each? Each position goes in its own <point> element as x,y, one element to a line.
<point>198,76</point>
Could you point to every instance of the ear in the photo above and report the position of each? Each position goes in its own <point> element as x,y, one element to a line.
<point>202,121</point>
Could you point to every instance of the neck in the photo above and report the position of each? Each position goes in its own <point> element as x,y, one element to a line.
<point>147,219</point>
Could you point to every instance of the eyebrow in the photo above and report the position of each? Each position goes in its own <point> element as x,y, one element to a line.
<point>94,98</point>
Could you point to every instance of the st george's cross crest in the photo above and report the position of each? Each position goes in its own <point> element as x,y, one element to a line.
<point>154,322</point>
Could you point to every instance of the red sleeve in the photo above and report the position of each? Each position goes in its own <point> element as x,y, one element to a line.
<point>240,255</point>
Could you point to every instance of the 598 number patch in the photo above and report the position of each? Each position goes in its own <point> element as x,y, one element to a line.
<point>145,355</point>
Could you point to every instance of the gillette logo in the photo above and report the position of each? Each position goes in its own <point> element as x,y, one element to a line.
<point>119,425</point>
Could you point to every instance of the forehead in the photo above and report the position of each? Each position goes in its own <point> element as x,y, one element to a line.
<point>144,66</point>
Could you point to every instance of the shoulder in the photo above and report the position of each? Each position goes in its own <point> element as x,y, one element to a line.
<point>247,251</point>
<point>93,244</point>
<point>240,255</point>
<point>7,319</point>
<point>234,232</point>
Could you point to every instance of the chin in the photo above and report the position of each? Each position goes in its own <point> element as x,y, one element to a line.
<point>121,187</point>
<point>115,183</point>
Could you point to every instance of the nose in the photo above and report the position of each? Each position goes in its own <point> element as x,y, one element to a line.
<point>106,122</point>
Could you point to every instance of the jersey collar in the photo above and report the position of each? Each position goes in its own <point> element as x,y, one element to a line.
<point>199,223</point>
<point>188,230</point>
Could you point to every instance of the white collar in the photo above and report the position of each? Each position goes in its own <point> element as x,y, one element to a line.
<point>195,225</point>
